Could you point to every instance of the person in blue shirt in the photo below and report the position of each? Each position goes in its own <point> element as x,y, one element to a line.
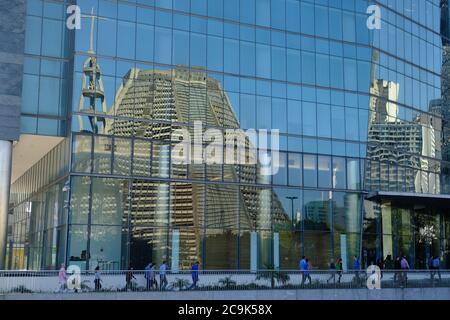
<point>304,267</point>
<point>307,268</point>
<point>356,263</point>
<point>356,267</point>
<point>147,275</point>
<point>436,265</point>
<point>194,272</point>
<point>302,263</point>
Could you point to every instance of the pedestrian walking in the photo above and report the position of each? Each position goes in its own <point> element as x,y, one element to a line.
<point>129,278</point>
<point>194,272</point>
<point>381,265</point>
<point>162,275</point>
<point>97,279</point>
<point>397,270</point>
<point>339,269</point>
<point>332,267</point>
<point>62,278</point>
<point>357,268</point>
<point>305,274</point>
<point>436,267</point>
<point>404,265</point>
<point>430,267</point>
<point>153,281</point>
<point>148,279</point>
<point>389,263</point>
<point>302,266</point>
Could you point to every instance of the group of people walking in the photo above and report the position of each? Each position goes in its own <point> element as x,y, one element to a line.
<point>335,268</point>
<point>150,276</point>
<point>63,279</point>
<point>399,266</point>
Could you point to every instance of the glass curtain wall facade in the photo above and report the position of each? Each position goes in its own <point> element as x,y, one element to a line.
<point>359,111</point>
<point>37,233</point>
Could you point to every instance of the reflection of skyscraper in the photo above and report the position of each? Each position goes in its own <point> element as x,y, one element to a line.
<point>441,107</point>
<point>391,141</point>
<point>162,100</point>
<point>400,150</point>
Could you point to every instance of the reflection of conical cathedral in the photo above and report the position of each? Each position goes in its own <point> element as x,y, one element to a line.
<point>182,96</point>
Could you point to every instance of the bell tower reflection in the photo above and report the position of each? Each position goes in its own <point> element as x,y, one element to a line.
<point>92,91</point>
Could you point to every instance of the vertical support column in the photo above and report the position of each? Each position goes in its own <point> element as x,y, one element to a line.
<point>162,219</point>
<point>5,182</point>
<point>344,253</point>
<point>253,251</point>
<point>276,250</point>
<point>175,251</point>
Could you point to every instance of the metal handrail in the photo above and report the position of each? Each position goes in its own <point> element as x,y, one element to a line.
<point>27,281</point>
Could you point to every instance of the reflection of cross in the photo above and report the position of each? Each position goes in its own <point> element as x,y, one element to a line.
<point>91,37</point>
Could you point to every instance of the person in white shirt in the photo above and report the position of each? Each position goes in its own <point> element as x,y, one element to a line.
<point>97,279</point>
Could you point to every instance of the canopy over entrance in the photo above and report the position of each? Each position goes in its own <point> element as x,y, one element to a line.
<point>409,198</point>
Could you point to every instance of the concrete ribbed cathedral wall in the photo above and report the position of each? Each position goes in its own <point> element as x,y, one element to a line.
<point>12,42</point>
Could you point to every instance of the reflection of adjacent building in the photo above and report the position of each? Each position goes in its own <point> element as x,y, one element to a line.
<point>441,108</point>
<point>158,101</point>
<point>403,173</point>
<point>400,153</point>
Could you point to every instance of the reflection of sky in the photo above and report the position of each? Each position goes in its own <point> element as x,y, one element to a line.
<point>151,40</point>
<point>245,51</point>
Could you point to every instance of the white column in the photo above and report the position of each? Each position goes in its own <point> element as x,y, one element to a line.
<point>5,181</point>
<point>276,250</point>
<point>253,251</point>
<point>162,208</point>
<point>174,266</point>
<point>344,252</point>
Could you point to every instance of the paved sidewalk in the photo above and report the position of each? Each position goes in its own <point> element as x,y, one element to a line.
<point>319,294</point>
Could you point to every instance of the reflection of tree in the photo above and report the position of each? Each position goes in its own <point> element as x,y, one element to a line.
<point>427,234</point>
<point>425,229</point>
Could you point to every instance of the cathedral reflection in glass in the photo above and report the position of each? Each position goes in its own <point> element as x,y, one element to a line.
<point>363,117</point>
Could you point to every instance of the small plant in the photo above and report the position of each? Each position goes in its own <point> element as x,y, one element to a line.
<point>180,284</point>
<point>273,275</point>
<point>227,283</point>
<point>84,285</point>
<point>22,289</point>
